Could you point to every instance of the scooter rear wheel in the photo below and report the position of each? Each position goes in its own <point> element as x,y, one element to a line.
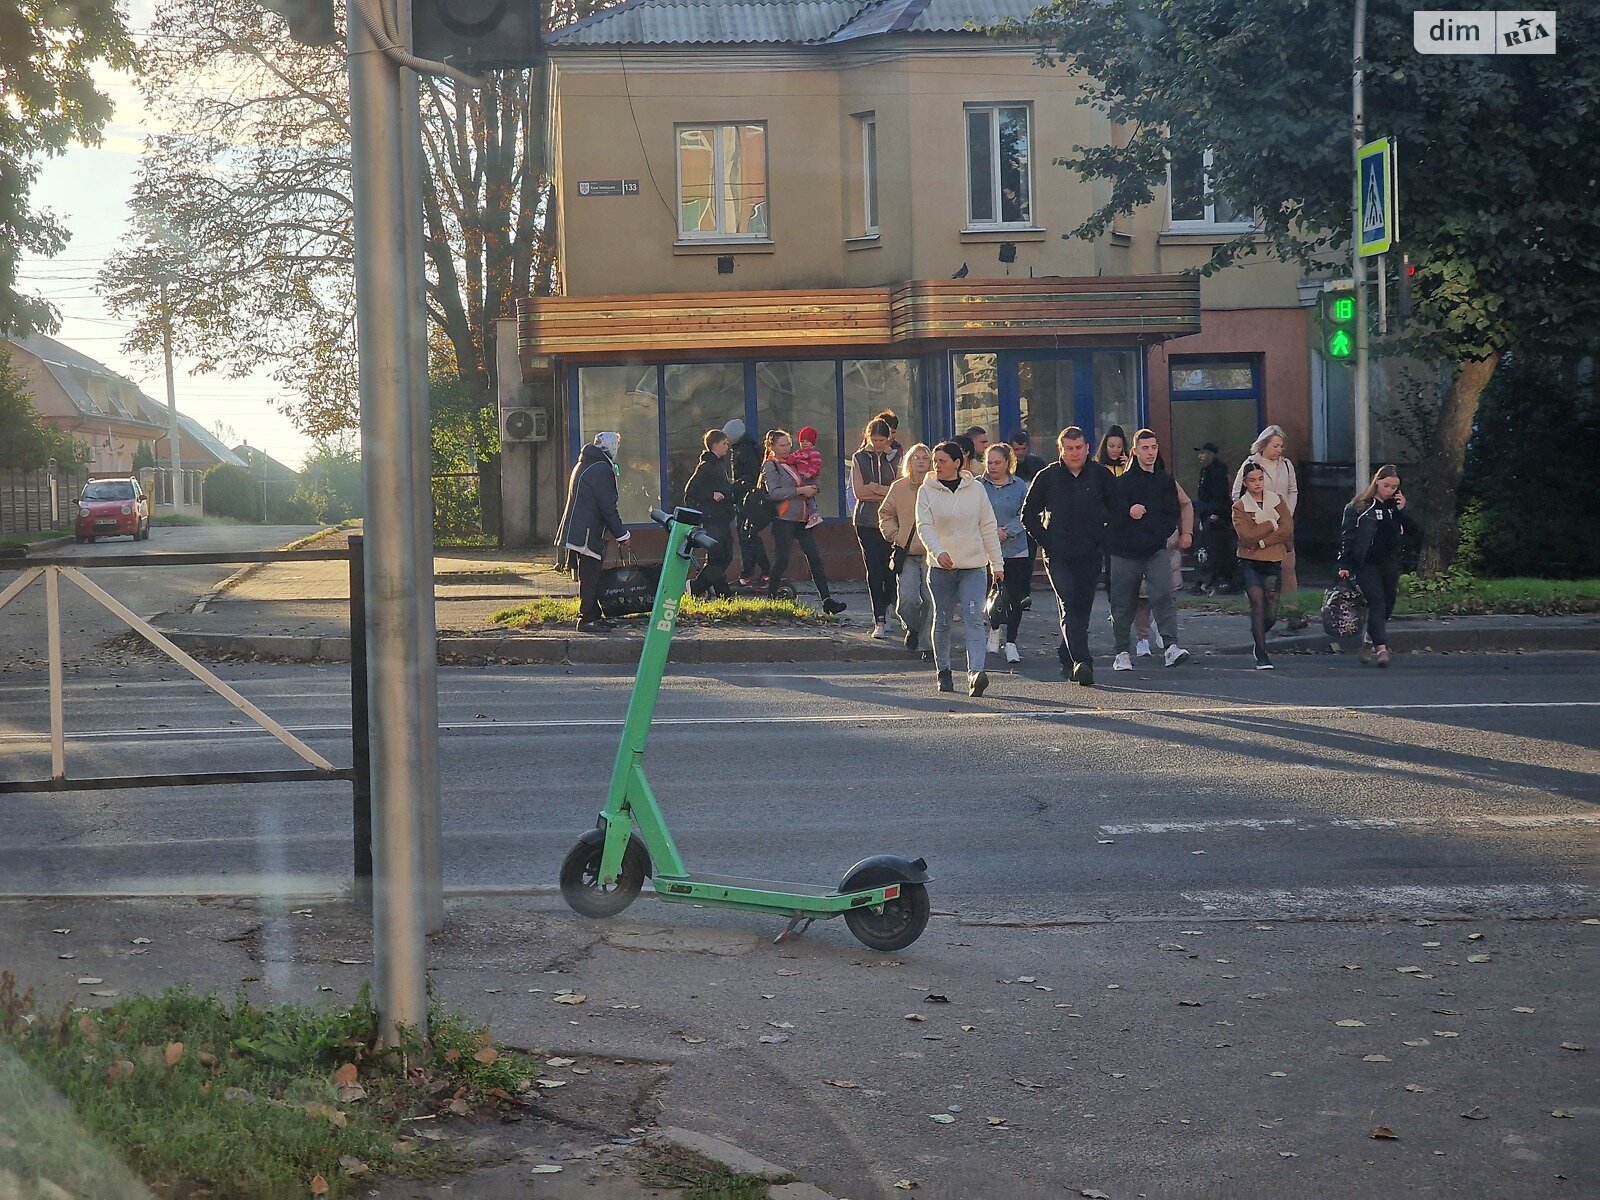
<point>580,879</point>
<point>893,925</point>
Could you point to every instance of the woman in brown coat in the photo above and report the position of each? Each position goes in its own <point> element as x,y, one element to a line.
<point>1265,527</point>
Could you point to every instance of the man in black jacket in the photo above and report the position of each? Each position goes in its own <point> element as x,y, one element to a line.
<point>1144,514</point>
<point>744,469</point>
<point>1065,512</point>
<point>1213,518</point>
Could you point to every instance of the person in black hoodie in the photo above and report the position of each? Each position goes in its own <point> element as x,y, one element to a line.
<point>1065,513</point>
<point>754,513</point>
<point>591,513</point>
<point>1213,506</point>
<point>1372,539</point>
<point>1144,514</point>
<point>711,492</point>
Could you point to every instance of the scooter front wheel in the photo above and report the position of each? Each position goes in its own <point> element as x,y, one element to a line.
<point>894,924</point>
<point>580,879</point>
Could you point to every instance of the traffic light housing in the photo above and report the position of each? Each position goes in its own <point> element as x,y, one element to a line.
<point>310,21</point>
<point>1406,303</point>
<point>1337,319</point>
<point>479,35</point>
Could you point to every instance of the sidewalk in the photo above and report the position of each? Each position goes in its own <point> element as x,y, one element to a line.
<point>300,612</point>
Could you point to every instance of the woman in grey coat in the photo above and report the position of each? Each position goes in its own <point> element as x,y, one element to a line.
<point>782,484</point>
<point>591,513</point>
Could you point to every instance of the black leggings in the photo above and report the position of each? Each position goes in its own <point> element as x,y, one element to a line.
<point>713,577</point>
<point>880,579</point>
<point>1261,580</point>
<point>1380,584</point>
<point>784,535</point>
<point>1014,586</point>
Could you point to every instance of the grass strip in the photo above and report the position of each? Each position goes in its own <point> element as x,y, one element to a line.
<point>741,610</point>
<point>700,1178</point>
<point>198,1097</point>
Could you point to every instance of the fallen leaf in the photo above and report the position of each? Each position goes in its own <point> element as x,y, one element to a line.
<point>1094,1194</point>
<point>352,1093</point>
<point>571,998</point>
<point>325,1112</point>
<point>140,941</point>
<point>1578,1046</point>
<point>935,998</point>
<point>904,1185</point>
<point>1171,946</point>
<point>841,1083</point>
<point>1352,966</point>
<point>1475,1114</point>
<point>353,1165</point>
<point>772,1039</point>
<point>174,1054</point>
<point>106,993</point>
<point>995,1120</point>
<point>1027,978</point>
<point>1351,1023</point>
<point>1474,937</point>
<point>452,1055</point>
<point>1559,1112</point>
<point>486,1056</point>
<point>345,1076</point>
<point>1409,970</point>
<point>1277,1074</point>
<point>1479,958</point>
<point>1191,1003</point>
<point>581,1071</point>
<point>1445,1033</point>
<point>458,1106</point>
<point>63,931</point>
<point>1430,945</point>
<point>1027,1083</point>
<point>86,980</point>
<point>1384,1134</point>
<point>941,1118</point>
<point>1415,1042</point>
<point>1418,1088</point>
<point>319,1186</point>
<point>786,971</point>
<point>969,1029</point>
<point>1376,1058</point>
<point>120,1069</point>
<point>781,1024</point>
<point>551,1083</point>
<point>1521,1009</point>
<point>1287,1154</point>
<point>692,1040</point>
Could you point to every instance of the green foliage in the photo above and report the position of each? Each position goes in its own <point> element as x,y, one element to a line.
<point>1455,594</point>
<point>699,1178</point>
<point>231,492</point>
<point>200,1097</point>
<point>26,442</point>
<point>144,456</point>
<point>330,490</point>
<point>48,100</point>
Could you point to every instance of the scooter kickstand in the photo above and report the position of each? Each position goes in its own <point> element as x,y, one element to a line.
<point>796,926</point>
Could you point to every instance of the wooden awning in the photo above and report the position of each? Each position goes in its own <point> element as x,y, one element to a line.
<point>899,318</point>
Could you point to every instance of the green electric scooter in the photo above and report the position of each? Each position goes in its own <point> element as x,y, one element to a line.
<point>884,899</point>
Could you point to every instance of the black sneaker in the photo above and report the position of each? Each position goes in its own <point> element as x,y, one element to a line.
<point>1083,673</point>
<point>1263,663</point>
<point>833,607</point>
<point>912,639</point>
<point>946,682</point>
<point>598,626</point>
<point>977,682</point>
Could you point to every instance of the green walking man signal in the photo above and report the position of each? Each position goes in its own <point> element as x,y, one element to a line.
<point>1338,322</point>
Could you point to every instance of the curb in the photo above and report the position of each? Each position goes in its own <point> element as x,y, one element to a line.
<point>549,651</point>
<point>22,552</point>
<point>244,572</point>
<point>740,1161</point>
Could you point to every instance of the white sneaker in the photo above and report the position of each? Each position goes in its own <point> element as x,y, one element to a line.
<point>880,630</point>
<point>994,640</point>
<point>1176,654</point>
<point>1142,648</point>
<point>1122,662</point>
<point>1157,641</point>
<point>1013,655</point>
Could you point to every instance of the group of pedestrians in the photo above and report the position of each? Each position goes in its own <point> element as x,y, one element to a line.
<point>956,529</point>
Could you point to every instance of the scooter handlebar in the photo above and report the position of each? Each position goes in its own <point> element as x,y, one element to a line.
<point>661,518</point>
<point>702,539</point>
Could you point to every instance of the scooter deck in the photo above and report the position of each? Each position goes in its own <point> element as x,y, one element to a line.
<point>765,895</point>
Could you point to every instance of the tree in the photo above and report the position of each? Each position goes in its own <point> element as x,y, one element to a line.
<point>1499,190</point>
<point>244,210</point>
<point>144,456</point>
<point>47,100</point>
<point>231,492</point>
<point>26,442</point>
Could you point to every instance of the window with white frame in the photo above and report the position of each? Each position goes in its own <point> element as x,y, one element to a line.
<point>1193,201</point>
<point>722,181</point>
<point>999,165</point>
<point>869,172</point>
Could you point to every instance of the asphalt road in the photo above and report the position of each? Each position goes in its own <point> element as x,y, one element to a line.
<point>1449,783</point>
<point>85,625</point>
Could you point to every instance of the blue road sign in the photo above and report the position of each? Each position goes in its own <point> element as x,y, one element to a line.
<point>1376,219</point>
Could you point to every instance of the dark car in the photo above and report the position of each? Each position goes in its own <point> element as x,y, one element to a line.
<point>112,508</point>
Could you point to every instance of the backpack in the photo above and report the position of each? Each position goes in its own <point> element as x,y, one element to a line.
<point>759,511</point>
<point>1343,610</point>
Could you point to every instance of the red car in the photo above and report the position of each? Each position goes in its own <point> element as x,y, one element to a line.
<point>112,508</point>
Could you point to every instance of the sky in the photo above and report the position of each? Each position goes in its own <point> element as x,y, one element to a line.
<point>88,189</point>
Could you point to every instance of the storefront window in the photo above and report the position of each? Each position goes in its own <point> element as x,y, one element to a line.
<point>699,396</point>
<point>977,384</point>
<point>791,395</point>
<point>1116,391</point>
<point>874,384</point>
<point>1046,399</point>
<point>624,399</point>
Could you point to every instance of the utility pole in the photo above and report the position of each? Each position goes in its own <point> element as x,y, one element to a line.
<point>1358,264</point>
<point>174,451</point>
<point>390,432</point>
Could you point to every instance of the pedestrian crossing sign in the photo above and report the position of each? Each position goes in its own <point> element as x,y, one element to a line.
<point>1378,206</point>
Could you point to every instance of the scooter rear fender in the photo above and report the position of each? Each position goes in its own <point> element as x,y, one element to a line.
<point>884,868</point>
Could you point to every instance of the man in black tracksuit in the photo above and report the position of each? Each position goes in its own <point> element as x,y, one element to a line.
<point>744,470</point>
<point>1066,510</point>
<point>1213,518</point>
<point>1144,514</point>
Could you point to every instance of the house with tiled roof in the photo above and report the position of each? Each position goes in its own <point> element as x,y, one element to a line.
<point>799,212</point>
<point>110,417</point>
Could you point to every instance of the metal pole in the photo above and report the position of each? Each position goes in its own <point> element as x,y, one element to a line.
<point>58,741</point>
<point>396,731</point>
<point>174,451</point>
<point>422,466</point>
<point>1358,265</point>
<point>360,747</point>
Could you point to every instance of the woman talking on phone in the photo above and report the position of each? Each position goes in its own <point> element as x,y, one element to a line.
<point>1372,538</point>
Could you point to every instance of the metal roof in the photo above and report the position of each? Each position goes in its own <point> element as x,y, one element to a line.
<point>779,22</point>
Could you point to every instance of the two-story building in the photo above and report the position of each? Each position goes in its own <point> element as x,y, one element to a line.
<point>800,212</point>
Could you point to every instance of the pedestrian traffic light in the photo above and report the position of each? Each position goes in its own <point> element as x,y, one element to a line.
<point>478,34</point>
<point>310,21</point>
<point>1338,321</point>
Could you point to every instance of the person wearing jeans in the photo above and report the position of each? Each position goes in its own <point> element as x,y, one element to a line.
<point>1372,538</point>
<point>872,472</point>
<point>956,523</point>
<point>897,522</point>
<point>1144,514</point>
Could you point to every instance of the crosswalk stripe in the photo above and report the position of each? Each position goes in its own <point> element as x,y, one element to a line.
<point>1297,824</point>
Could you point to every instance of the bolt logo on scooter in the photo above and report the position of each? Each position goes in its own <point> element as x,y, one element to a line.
<point>884,899</point>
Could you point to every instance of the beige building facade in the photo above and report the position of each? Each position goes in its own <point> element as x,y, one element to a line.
<point>813,157</point>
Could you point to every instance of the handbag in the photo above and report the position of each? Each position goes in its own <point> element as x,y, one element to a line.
<point>994,606</point>
<point>898,553</point>
<point>628,590</point>
<point>1343,610</point>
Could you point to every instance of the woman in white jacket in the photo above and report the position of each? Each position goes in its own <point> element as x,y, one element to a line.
<point>956,523</point>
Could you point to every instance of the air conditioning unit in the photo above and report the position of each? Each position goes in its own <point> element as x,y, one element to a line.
<point>525,424</point>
